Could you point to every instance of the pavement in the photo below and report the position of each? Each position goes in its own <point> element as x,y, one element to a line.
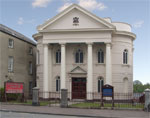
<point>98,113</point>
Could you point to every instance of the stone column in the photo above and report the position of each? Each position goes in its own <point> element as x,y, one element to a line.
<point>45,72</point>
<point>89,72</point>
<point>108,64</point>
<point>63,67</point>
<point>50,68</point>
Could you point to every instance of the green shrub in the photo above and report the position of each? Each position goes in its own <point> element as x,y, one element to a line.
<point>2,95</point>
<point>12,96</point>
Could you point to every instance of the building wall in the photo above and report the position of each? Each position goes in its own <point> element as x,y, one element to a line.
<point>21,55</point>
<point>119,70</point>
<point>88,29</point>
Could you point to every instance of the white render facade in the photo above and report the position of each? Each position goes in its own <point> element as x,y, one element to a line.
<point>77,44</point>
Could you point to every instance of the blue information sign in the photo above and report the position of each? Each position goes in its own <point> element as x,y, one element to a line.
<point>107,92</point>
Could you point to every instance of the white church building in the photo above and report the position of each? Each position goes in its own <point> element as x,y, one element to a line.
<point>80,52</point>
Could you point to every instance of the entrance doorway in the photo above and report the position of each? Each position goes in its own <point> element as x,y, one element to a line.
<point>78,88</point>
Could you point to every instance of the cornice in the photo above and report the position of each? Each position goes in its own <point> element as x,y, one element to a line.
<point>75,30</point>
<point>130,34</point>
<point>37,35</point>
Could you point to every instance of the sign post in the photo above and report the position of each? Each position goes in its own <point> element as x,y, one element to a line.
<point>107,91</point>
<point>14,88</point>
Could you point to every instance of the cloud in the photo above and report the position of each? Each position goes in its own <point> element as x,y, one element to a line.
<point>64,7</point>
<point>20,21</point>
<point>92,5</point>
<point>138,24</point>
<point>66,0</point>
<point>40,3</point>
<point>87,4</point>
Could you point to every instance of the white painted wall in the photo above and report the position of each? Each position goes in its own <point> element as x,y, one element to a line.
<point>75,38</point>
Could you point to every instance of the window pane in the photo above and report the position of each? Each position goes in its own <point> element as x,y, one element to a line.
<point>102,83</point>
<point>56,57</point>
<point>98,57</point>
<point>81,57</point>
<point>102,57</point>
<point>98,85</point>
<point>10,43</point>
<point>124,57</point>
<point>57,85</point>
<point>10,64</point>
<point>77,57</point>
<point>59,57</point>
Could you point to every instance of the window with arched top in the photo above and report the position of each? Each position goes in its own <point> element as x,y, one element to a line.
<point>58,83</point>
<point>79,56</point>
<point>100,84</point>
<point>125,56</point>
<point>58,56</point>
<point>100,56</point>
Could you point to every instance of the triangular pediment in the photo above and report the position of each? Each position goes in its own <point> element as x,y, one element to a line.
<point>78,70</point>
<point>64,20</point>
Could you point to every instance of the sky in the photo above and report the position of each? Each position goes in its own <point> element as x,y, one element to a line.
<point>25,15</point>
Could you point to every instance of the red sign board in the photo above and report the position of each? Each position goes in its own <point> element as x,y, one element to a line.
<point>13,87</point>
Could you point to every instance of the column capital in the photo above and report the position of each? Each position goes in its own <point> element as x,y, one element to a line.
<point>89,43</point>
<point>108,44</point>
<point>45,44</point>
<point>62,43</point>
<point>50,46</point>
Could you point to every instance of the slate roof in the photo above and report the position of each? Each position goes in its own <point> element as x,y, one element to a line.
<point>18,35</point>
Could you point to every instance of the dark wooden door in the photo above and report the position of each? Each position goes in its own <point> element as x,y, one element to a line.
<point>78,88</point>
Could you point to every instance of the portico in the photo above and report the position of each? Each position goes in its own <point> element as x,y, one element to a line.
<point>89,86</point>
<point>78,48</point>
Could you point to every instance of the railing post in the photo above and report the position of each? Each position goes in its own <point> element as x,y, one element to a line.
<point>64,98</point>
<point>147,100</point>
<point>35,96</point>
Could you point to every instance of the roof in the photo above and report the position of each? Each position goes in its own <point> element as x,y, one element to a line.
<point>67,10</point>
<point>18,35</point>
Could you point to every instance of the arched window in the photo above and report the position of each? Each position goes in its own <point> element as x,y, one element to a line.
<point>58,83</point>
<point>58,56</point>
<point>100,84</point>
<point>79,56</point>
<point>125,56</point>
<point>100,56</point>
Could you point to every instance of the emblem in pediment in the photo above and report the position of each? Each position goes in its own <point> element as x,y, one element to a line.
<point>76,21</point>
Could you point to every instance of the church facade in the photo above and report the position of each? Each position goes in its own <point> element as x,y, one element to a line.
<point>80,52</point>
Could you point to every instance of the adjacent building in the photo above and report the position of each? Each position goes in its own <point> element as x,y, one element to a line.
<point>80,52</point>
<point>17,58</point>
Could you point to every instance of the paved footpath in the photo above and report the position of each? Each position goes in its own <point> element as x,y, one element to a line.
<point>75,112</point>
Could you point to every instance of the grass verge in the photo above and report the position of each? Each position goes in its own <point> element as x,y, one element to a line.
<point>106,105</point>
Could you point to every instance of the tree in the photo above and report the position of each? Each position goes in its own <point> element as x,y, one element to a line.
<point>138,87</point>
